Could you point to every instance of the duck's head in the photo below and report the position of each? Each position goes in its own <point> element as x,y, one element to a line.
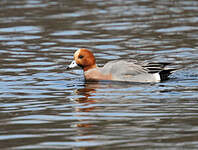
<point>84,59</point>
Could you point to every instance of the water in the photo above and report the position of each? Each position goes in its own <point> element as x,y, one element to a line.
<point>43,106</point>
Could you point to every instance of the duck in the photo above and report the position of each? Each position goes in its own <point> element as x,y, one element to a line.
<point>120,70</point>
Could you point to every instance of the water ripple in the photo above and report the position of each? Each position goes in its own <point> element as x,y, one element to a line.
<point>48,107</point>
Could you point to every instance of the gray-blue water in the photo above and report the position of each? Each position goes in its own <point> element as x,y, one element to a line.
<point>43,106</point>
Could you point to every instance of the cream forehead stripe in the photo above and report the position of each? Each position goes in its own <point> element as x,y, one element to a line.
<point>77,53</point>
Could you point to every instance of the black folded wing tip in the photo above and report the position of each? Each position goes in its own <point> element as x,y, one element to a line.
<point>160,68</point>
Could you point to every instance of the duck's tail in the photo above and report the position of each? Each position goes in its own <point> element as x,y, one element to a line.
<point>160,68</point>
<point>164,74</point>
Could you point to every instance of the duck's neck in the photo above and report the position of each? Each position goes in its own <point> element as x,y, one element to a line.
<point>86,68</point>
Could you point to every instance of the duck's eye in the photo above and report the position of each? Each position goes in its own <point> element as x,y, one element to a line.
<point>81,56</point>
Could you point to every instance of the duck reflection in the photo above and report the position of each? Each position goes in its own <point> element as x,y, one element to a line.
<point>86,93</point>
<point>88,125</point>
<point>85,126</point>
<point>86,101</point>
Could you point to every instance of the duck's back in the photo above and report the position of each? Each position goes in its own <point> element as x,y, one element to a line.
<point>133,71</point>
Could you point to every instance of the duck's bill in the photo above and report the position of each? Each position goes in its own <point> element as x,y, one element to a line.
<point>72,65</point>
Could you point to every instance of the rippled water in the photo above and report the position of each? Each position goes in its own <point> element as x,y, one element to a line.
<point>43,106</point>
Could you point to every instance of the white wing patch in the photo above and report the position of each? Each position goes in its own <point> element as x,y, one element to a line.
<point>157,77</point>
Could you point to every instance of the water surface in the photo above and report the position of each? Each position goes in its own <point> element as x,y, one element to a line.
<point>43,106</point>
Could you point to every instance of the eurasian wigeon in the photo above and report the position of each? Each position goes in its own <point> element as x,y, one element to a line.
<point>119,70</point>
